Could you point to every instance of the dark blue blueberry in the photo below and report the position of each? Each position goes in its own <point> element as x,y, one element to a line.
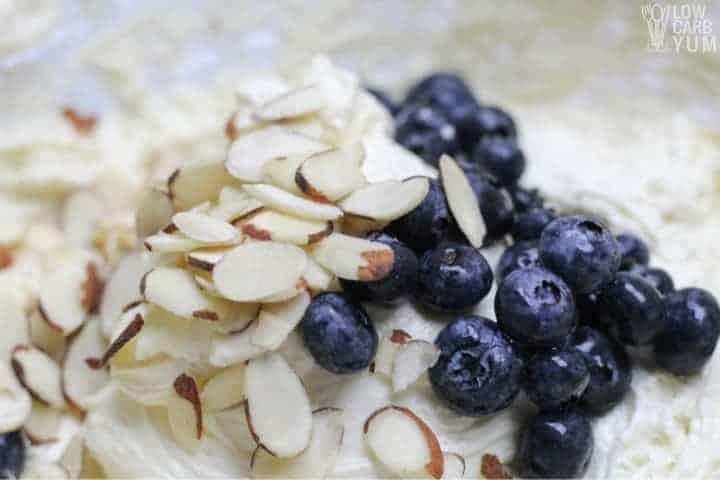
<point>12,454</point>
<point>592,311</point>
<point>530,224</point>
<point>453,277</point>
<point>633,251</point>
<point>483,123</point>
<point>556,445</point>
<point>656,277</point>
<point>535,307</point>
<point>635,308</point>
<point>478,371</point>
<point>399,282</point>
<point>518,255</point>
<point>525,199</point>
<point>338,333</point>
<point>425,132</point>
<point>384,99</point>
<point>555,379</point>
<point>438,85</point>
<point>500,157</point>
<point>581,250</point>
<point>610,370</point>
<point>495,204</point>
<point>691,333</point>
<point>426,226</point>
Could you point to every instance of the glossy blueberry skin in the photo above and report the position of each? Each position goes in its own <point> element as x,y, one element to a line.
<point>610,370</point>
<point>453,277</point>
<point>426,226</point>
<point>524,254</point>
<point>478,371</point>
<point>12,454</point>
<point>556,444</point>
<point>633,251</point>
<point>525,199</point>
<point>384,99</point>
<point>496,205</point>
<point>535,308</point>
<point>486,122</point>
<point>399,282</point>
<point>692,317</point>
<point>581,250</point>
<point>635,308</point>
<point>501,157</point>
<point>338,333</point>
<point>593,311</point>
<point>555,379</point>
<point>656,277</point>
<point>530,224</point>
<point>426,132</point>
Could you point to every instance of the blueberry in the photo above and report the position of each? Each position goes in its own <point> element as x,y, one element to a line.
<point>519,255</point>
<point>635,309</point>
<point>581,250</point>
<point>633,251</point>
<point>453,277</point>
<point>478,371</point>
<point>610,370</point>
<point>426,226</point>
<point>535,307</point>
<point>495,204</point>
<point>485,122</point>
<point>530,224</point>
<point>384,99</point>
<point>501,158</point>
<point>525,199</point>
<point>12,454</point>
<point>447,93</point>
<point>656,277</point>
<point>592,311</point>
<point>692,319</point>
<point>338,333</point>
<point>399,282</point>
<point>426,132</point>
<point>555,379</point>
<point>556,445</point>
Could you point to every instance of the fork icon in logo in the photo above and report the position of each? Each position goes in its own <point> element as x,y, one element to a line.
<point>657,17</point>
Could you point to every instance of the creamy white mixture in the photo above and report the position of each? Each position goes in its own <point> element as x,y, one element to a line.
<point>638,154</point>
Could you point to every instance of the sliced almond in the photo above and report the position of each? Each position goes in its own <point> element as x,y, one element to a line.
<point>126,331</point>
<point>72,457</point>
<point>387,349</point>
<point>205,228</point>
<point>331,175</point>
<point>271,225</point>
<point>316,461</point>
<point>277,406</point>
<point>316,277</point>
<point>207,286</point>
<point>412,360</point>
<point>185,413</point>
<point>259,88</point>
<point>43,424</point>
<point>46,471</point>
<point>277,320</point>
<point>225,389</point>
<point>14,324</point>
<point>462,201</point>
<point>226,350</point>
<point>253,271</point>
<point>122,288</point>
<point>295,103</point>
<point>171,243</point>
<point>404,443</point>
<point>150,382</point>
<point>360,226</point>
<point>153,213</point>
<point>206,258</point>
<point>386,160</point>
<point>354,258</point>
<point>39,374</point>
<point>249,152</point>
<point>281,172</point>
<point>45,337</point>
<point>231,425</point>
<point>491,468</point>
<point>81,215</point>
<point>292,204</point>
<point>15,401</point>
<point>240,122</point>
<point>197,182</point>
<point>63,297</point>
<point>242,315</point>
<point>180,338</point>
<point>387,200</point>
<point>454,466</point>
<point>233,203</point>
<point>82,385</point>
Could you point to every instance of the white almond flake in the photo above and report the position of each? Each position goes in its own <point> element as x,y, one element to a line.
<point>316,461</point>
<point>206,258</point>
<point>331,175</point>
<point>81,215</point>
<point>240,122</point>
<point>171,243</point>
<point>206,285</point>
<point>317,278</point>
<point>205,229</point>
<point>387,349</point>
<point>185,412</point>
<point>242,315</point>
<point>249,152</point>
<point>462,201</point>
<point>14,325</point>
<point>295,103</point>
<point>454,466</point>
<point>43,424</point>
<point>45,337</point>
<point>292,204</point>
<point>197,182</point>
<point>259,88</point>
<point>277,320</point>
<point>72,457</point>
<point>354,258</point>
<point>153,213</point>
<point>412,360</point>
<point>62,295</point>
<point>226,350</point>
<point>121,350</point>
<point>271,225</point>
<point>84,386</point>
<point>253,271</point>
<point>404,443</point>
<point>233,204</point>
<point>277,406</point>
<point>180,338</point>
<point>150,382</point>
<point>46,471</point>
<point>225,389</point>
<point>122,288</point>
<point>386,160</point>
<point>231,426</point>
<point>39,374</point>
<point>386,200</point>
<point>281,172</point>
<point>15,401</point>
<point>361,226</point>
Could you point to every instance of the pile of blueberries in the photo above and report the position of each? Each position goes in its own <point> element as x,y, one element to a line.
<point>574,303</point>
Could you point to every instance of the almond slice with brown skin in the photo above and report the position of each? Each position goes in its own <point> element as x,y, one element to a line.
<point>281,172</point>
<point>387,160</point>
<point>197,182</point>
<point>206,258</point>
<point>233,203</point>
<point>292,204</point>
<point>180,338</point>
<point>491,468</point>
<point>295,103</point>
<point>387,349</point>
<point>412,360</point>
<point>14,325</point>
<point>205,228</point>
<point>462,201</point>
<point>231,426</point>
<point>360,226</point>
<point>277,320</point>
<point>39,374</point>
<point>171,243</point>
<point>317,278</point>
<point>83,386</point>
<point>45,337</point>
<point>225,389</point>
<point>277,406</point>
<point>331,175</point>
<point>226,350</point>
<point>454,466</point>
<point>15,401</point>
<point>125,332</point>
<point>185,412</point>
<point>43,424</point>
<point>256,270</point>
<point>242,315</point>
<point>62,297</point>
<point>404,443</point>
<point>153,213</point>
<point>354,258</point>
<point>150,382</point>
<point>272,225</point>
<point>386,201</point>
<point>121,288</point>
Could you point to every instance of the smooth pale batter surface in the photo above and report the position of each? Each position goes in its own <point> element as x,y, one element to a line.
<point>607,127</point>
